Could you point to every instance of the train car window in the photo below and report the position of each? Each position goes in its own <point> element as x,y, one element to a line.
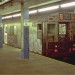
<point>12,30</point>
<point>50,28</point>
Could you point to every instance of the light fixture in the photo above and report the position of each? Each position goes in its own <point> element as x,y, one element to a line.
<point>32,11</point>
<point>7,17</point>
<point>48,8</point>
<point>67,4</point>
<point>17,15</point>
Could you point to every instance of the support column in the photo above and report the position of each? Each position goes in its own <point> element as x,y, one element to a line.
<point>25,31</point>
<point>1,34</point>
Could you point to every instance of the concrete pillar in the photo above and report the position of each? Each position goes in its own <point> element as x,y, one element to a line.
<point>1,34</point>
<point>25,31</point>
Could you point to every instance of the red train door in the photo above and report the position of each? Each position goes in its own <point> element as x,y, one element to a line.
<point>63,39</point>
<point>48,38</point>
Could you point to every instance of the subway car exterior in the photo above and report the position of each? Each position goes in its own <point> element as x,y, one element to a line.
<point>51,35</point>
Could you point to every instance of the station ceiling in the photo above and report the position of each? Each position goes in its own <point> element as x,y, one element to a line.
<point>15,5</point>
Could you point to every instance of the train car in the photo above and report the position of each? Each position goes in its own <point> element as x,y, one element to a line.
<point>12,32</point>
<point>58,35</point>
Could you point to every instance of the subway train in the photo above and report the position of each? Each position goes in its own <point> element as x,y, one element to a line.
<point>51,35</point>
<point>58,36</point>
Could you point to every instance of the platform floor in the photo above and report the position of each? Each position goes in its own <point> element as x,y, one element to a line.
<point>11,63</point>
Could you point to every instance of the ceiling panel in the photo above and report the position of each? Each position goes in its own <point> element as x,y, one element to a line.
<point>30,3</point>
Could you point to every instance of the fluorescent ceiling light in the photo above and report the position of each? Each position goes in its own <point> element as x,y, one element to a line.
<point>48,8</point>
<point>16,15</point>
<point>11,12</point>
<point>68,4</point>
<point>6,17</point>
<point>32,11</point>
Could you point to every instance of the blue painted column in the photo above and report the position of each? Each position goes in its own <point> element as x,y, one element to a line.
<point>1,35</point>
<point>25,32</point>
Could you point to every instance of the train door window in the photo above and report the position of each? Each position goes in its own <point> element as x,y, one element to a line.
<point>5,34</point>
<point>39,31</point>
<point>15,30</point>
<point>62,28</point>
<point>50,32</point>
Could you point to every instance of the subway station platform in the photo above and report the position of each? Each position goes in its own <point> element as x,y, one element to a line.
<point>12,63</point>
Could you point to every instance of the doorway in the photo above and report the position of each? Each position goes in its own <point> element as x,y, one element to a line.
<point>5,34</point>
